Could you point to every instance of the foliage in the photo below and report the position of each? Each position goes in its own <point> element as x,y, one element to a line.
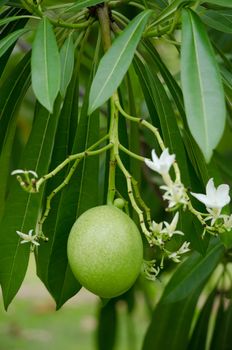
<point>90,70</point>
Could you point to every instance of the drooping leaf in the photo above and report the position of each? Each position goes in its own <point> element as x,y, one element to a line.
<point>10,28</point>
<point>80,194</point>
<point>199,336</point>
<point>22,209</point>
<point>67,64</point>
<point>107,321</point>
<point>12,91</point>
<point>10,39</point>
<point>193,272</point>
<point>84,3</point>
<point>202,86</point>
<point>223,3</point>
<point>13,18</point>
<point>45,65</point>
<point>170,324</point>
<point>223,327</point>
<point>60,152</point>
<point>116,62</point>
<point>219,20</point>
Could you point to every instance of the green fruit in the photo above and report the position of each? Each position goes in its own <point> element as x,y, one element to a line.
<point>105,251</point>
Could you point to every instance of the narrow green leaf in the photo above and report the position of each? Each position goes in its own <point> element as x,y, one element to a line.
<point>22,209</point>
<point>170,9</point>
<point>80,194</point>
<point>199,336</point>
<point>10,39</point>
<point>170,324</point>
<point>60,152</point>
<point>67,63</point>
<point>224,3</point>
<point>202,86</point>
<point>12,91</point>
<point>219,20</point>
<point>107,321</point>
<point>116,62</point>
<point>45,65</point>
<point>10,28</point>
<point>14,18</point>
<point>193,272</point>
<point>222,333</point>
<point>84,3</point>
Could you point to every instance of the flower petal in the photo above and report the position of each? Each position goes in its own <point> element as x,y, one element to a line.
<point>150,164</point>
<point>223,194</point>
<point>202,198</point>
<point>154,157</point>
<point>33,173</point>
<point>17,171</point>
<point>210,189</point>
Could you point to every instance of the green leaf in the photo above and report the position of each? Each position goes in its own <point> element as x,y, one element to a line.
<point>45,65</point>
<point>67,63</point>
<point>171,9</point>
<point>193,272</point>
<point>222,332</point>
<point>69,285</point>
<point>199,336</point>
<point>22,209</point>
<point>170,324</point>
<point>84,3</point>
<point>14,18</point>
<point>10,28</point>
<point>115,63</point>
<point>10,39</point>
<point>224,3</point>
<point>219,20</point>
<point>80,195</point>
<point>107,321</point>
<point>202,86</point>
<point>12,91</point>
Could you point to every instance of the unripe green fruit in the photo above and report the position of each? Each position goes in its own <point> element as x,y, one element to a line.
<point>105,251</point>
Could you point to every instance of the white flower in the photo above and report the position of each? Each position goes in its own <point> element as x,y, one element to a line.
<point>175,194</point>
<point>155,227</point>
<point>182,250</point>
<point>170,229</point>
<point>28,237</point>
<point>215,198</point>
<point>160,164</point>
<point>25,172</point>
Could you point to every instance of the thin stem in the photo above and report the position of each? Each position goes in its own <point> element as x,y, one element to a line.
<point>141,201</point>
<point>104,20</point>
<point>132,154</point>
<point>55,191</point>
<point>88,152</point>
<point>77,158</point>
<point>114,140</point>
<point>131,197</point>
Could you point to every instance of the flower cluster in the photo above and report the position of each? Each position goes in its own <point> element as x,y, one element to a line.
<point>176,195</point>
